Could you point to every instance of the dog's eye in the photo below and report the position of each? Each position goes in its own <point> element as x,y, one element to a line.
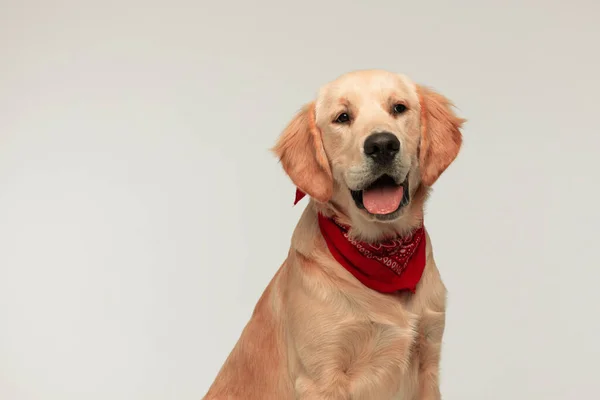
<point>399,108</point>
<point>343,118</point>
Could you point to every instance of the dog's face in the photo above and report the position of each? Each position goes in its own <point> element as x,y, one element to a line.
<point>369,124</point>
<point>368,143</point>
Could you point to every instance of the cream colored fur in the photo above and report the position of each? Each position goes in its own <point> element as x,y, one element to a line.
<point>316,332</point>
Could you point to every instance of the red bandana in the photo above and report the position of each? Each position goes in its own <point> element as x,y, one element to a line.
<point>386,267</point>
<point>299,196</point>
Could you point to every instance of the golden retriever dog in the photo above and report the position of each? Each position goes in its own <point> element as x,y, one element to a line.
<point>357,310</point>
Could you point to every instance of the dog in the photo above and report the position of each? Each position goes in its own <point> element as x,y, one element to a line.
<point>357,310</point>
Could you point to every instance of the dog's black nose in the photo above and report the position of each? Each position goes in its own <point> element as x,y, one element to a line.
<point>382,147</point>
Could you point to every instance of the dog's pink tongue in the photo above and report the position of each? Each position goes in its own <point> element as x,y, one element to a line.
<point>383,200</point>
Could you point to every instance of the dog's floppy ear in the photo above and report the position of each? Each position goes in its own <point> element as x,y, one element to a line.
<point>441,138</point>
<point>300,149</point>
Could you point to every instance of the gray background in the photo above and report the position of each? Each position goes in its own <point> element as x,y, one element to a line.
<point>141,214</point>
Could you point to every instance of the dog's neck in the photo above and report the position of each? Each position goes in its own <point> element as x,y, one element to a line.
<point>320,239</point>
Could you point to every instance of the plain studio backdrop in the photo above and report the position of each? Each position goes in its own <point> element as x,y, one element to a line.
<point>142,215</point>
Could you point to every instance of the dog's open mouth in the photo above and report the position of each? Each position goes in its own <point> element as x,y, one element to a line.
<point>382,197</point>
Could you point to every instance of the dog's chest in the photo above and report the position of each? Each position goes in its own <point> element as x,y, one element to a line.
<point>369,353</point>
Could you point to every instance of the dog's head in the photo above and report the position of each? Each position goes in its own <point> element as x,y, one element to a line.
<point>371,144</point>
